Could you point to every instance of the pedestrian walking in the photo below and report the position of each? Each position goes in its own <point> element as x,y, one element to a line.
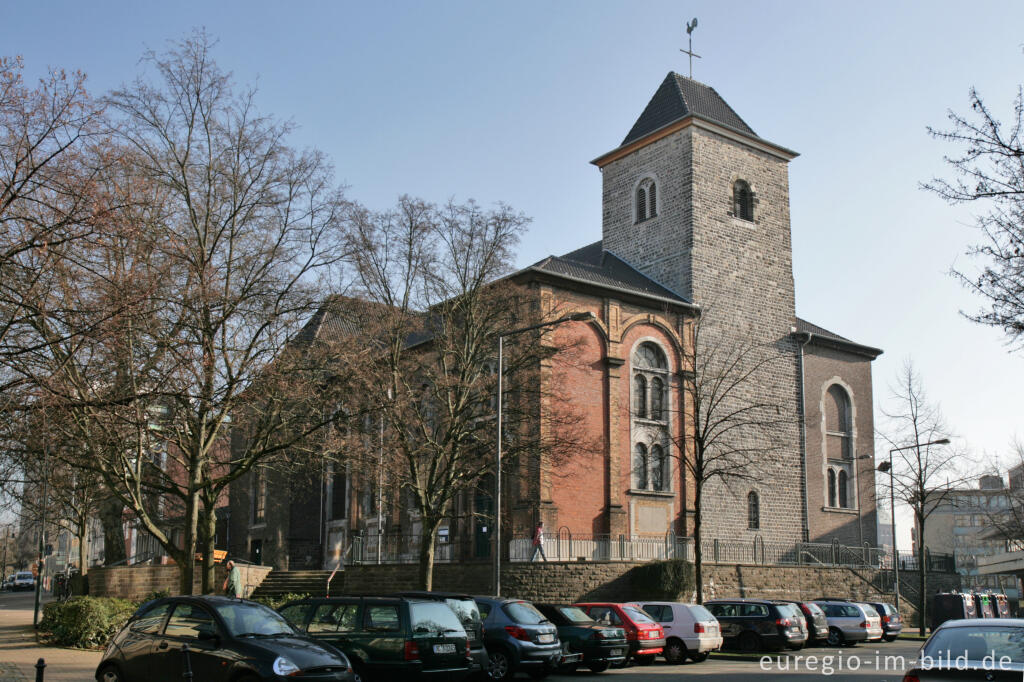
<point>538,542</point>
<point>233,581</point>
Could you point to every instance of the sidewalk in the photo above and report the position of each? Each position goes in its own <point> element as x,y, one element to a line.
<point>19,651</point>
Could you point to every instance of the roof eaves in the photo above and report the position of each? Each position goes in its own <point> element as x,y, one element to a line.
<point>838,344</point>
<point>609,287</point>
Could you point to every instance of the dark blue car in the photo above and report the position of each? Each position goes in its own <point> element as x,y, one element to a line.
<point>518,637</point>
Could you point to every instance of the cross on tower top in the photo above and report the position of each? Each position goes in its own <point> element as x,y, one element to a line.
<point>689,34</point>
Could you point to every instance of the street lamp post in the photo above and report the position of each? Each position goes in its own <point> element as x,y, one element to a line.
<point>575,317</point>
<point>887,466</point>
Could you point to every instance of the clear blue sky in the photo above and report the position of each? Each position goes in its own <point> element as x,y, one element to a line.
<point>511,101</point>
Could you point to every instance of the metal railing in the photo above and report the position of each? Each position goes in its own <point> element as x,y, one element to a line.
<point>564,545</point>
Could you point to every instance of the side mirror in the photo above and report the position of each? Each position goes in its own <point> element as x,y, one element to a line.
<point>209,636</point>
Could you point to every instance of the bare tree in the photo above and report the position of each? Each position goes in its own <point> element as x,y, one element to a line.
<point>925,467</point>
<point>433,304</point>
<point>989,169</point>
<point>734,423</point>
<point>223,246</point>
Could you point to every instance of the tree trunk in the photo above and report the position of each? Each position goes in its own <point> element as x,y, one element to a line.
<point>208,536</point>
<point>427,548</point>
<point>698,553</point>
<point>187,563</point>
<point>112,518</point>
<point>83,545</point>
<point>922,609</point>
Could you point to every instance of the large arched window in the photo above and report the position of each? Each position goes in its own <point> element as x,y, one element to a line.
<point>753,511</point>
<point>742,200</point>
<point>640,396</point>
<point>646,200</point>
<point>838,424</point>
<point>640,464</point>
<point>831,487</point>
<point>843,484</point>
<point>657,468</point>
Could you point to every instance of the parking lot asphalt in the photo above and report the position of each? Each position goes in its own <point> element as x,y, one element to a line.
<point>881,662</point>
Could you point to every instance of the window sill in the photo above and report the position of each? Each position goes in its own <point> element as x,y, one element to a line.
<point>650,422</point>
<point>665,494</point>
<point>751,224</point>
<point>258,525</point>
<point>841,510</point>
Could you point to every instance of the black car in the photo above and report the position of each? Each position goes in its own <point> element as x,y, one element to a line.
<point>892,623</point>
<point>466,609</point>
<point>817,622</point>
<point>758,624</point>
<point>227,639</point>
<point>518,637</point>
<point>600,646</point>
<point>388,638</point>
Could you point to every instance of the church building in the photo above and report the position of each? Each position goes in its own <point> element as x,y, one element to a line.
<point>695,223</point>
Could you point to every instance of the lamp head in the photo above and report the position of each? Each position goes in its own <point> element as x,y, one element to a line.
<point>883,466</point>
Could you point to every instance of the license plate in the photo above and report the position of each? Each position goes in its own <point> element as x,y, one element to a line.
<point>615,652</point>
<point>545,638</point>
<point>444,648</point>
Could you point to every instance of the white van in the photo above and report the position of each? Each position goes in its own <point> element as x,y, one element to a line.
<point>690,630</point>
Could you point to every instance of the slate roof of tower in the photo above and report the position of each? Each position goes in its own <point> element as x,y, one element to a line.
<point>679,97</point>
<point>591,264</point>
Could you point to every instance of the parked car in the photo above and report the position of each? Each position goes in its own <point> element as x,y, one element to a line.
<point>466,609</point>
<point>814,618</point>
<point>388,638</point>
<point>24,580</point>
<point>951,606</point>
<point>518,637</point>
<point>851,622</point>
<point>972,649</point>
<point>600,646</point>
<point>690,630</point>
<point>228,639</point>
<point>759,624</point>
<point>8,583</point>
<point>646,637</point>
<point>892,622</point>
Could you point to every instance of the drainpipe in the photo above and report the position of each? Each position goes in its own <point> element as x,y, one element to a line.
<point>803,438</point>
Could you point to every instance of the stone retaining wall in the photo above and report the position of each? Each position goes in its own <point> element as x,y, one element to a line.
<point>135,582</point>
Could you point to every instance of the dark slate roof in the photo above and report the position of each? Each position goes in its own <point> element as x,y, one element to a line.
<point>833,339</point>
<point>593,265</point>
<point>679,97</point>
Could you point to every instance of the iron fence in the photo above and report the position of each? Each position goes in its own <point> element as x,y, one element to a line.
<point>564,545</point>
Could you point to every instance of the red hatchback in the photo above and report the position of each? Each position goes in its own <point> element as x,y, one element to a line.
<point>644,635</point>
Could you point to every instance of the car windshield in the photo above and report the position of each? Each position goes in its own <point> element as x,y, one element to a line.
<point>574,614</point>
<point>637,616</point>
<point>24,576</point>
<point>789,610</point>
<point>869,610</point>
<point>250,619</point>
<point>435,617</point>
<point>524,613</point>
<point>977,642</point>
<point>465,609</point>
<point>815,609</point>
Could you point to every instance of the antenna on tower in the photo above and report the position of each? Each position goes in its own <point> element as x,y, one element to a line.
<point>690,25</point>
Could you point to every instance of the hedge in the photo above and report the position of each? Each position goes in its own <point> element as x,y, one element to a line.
<point>670,580</point>
<point>86,622</point>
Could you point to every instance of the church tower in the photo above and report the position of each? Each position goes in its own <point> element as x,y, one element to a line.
<point>697,201</point>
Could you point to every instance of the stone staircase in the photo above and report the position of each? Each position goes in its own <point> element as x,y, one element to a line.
<point>314,583</point>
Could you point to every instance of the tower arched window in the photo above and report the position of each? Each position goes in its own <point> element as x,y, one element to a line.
<point>640,464</point>
<point>838,423</point>
<point>753,511</point>
<point>646,200</point>
<point>831,487</point>
<point>843,483</point>
<point>742,200</point>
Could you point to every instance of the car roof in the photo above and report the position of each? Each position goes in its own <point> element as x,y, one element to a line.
<point>434,595</point>
<point>974,622</point>
<point>739,601</point>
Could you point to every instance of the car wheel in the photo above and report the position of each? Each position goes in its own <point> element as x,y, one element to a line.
<point>646,659</point>
<point>500,667</point>
<point>599,667</point>
<point>890,638</point>
<point>750,643</point>
<point>835,637</point>
<point>675,651</point>
<point>699,658</point>
<point>110,673</point>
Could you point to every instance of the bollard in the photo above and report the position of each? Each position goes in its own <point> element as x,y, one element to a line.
<point>188,663</point>
<point>40,667</point>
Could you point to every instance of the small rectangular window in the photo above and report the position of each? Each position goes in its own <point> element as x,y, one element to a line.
<point>381,618</point>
